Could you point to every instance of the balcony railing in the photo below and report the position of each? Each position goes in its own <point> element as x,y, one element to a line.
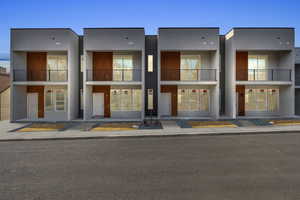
<point>264,75</point>
<point>188,74</point>
<point>114,75</point>
<point>40,75</point>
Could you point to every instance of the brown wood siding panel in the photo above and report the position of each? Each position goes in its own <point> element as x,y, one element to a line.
<point>242,66</point>
<point>102,66</point>
<point>170,66</point>
<point>240,89</point>
<point>40,91</point>
<point>106,90</point>
<point>36,66</point>
<point>173,90</point>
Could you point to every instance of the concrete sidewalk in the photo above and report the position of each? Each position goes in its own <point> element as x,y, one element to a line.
<point>5,135</point>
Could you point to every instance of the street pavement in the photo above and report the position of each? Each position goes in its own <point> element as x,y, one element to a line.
<point>224,167</point>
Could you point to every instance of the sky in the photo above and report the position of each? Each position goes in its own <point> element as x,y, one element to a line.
<point>78,14</point>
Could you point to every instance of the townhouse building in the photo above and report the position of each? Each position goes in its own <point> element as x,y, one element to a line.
<point>259,72</point>
<point>44,74</point>
<point>189,63</point>
<point>121,74</point>
<point>114,73</point>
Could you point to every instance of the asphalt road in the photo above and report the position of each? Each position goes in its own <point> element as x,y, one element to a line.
<point>239,167</point>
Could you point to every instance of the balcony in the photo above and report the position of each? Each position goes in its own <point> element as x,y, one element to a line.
<point>188,74</point>
<point>265,75</point>
<point>40,75</point>
<point>119,75</point>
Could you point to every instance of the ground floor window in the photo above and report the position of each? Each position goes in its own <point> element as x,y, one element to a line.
<point>125,99</point>
<point>55,100</point>
<point>193,100</point>
<point>262,99</point>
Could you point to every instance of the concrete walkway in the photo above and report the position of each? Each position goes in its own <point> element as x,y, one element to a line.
<point>5,135</point>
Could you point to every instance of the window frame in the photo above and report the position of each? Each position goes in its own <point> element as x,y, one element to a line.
<point>267,92</point>
<point>150,63</point>
<point>54,100</point>
<point>120,95</point>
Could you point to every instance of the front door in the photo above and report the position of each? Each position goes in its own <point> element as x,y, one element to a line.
<point>98,104</point>
<point>165,104</point>
<point>32,105</point>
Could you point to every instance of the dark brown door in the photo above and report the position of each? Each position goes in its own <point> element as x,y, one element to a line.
<point>106,90</point>
<point>36,66</point>
<point>102,66</point>
<point>170,66</point>
<point>241,65</point>
<point>240,89</point>
<point>174,92</point>
<point>40,91</point>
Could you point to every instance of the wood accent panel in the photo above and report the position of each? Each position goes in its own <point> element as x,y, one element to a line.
<point>106,90</point>
<point>240,89</point>
<point>241,66</point>
<point>102,66</point>
<point>174,92</point>
<point>170,66</point>
<point>36,66</point>
<point>40,91</point>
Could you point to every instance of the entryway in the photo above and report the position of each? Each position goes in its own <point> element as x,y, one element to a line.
<point>98,104</point>
<point>32,105</point>
<point>165,104</point>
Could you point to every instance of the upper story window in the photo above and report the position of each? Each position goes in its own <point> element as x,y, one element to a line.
<point>189,67</point>
<point>123,67</point>
<point>150,63</point>
<point>257,67</point>
<point>57,67</point>
<point>82,63</point>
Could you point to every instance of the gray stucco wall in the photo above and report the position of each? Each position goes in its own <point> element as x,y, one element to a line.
<point>46,40</point>
<point>188,39</point>
<point>114,39</point>
<point>264,38</point>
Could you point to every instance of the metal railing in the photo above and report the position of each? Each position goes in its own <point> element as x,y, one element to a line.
<point>188,74</point>
<point>265,75</point>
<point>40,75</point>
<point>133,74</point>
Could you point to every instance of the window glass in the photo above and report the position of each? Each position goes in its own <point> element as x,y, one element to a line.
<point>273,96</point>
<point>122,67</point>
<point>60,100</point>
<point>150,63</point>
<point>262,99</point>
<point>125,100</point>
<point>189,67</point>
<point>257,67</point>
<point>150,99</point>
<point>82,63</point>
<point>56,66</point>
<point>137,100</point>
<point>193,100</point>
<point>49,101</point>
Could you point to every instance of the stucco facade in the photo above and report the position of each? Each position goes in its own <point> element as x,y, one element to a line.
<point>158,72</point>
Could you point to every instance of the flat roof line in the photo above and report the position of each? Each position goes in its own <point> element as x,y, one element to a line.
<point>69,29</point>
<point>188,28</point>
<point>116,28</point>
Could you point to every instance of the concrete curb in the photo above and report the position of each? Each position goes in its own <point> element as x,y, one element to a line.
<point>153,136</point>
